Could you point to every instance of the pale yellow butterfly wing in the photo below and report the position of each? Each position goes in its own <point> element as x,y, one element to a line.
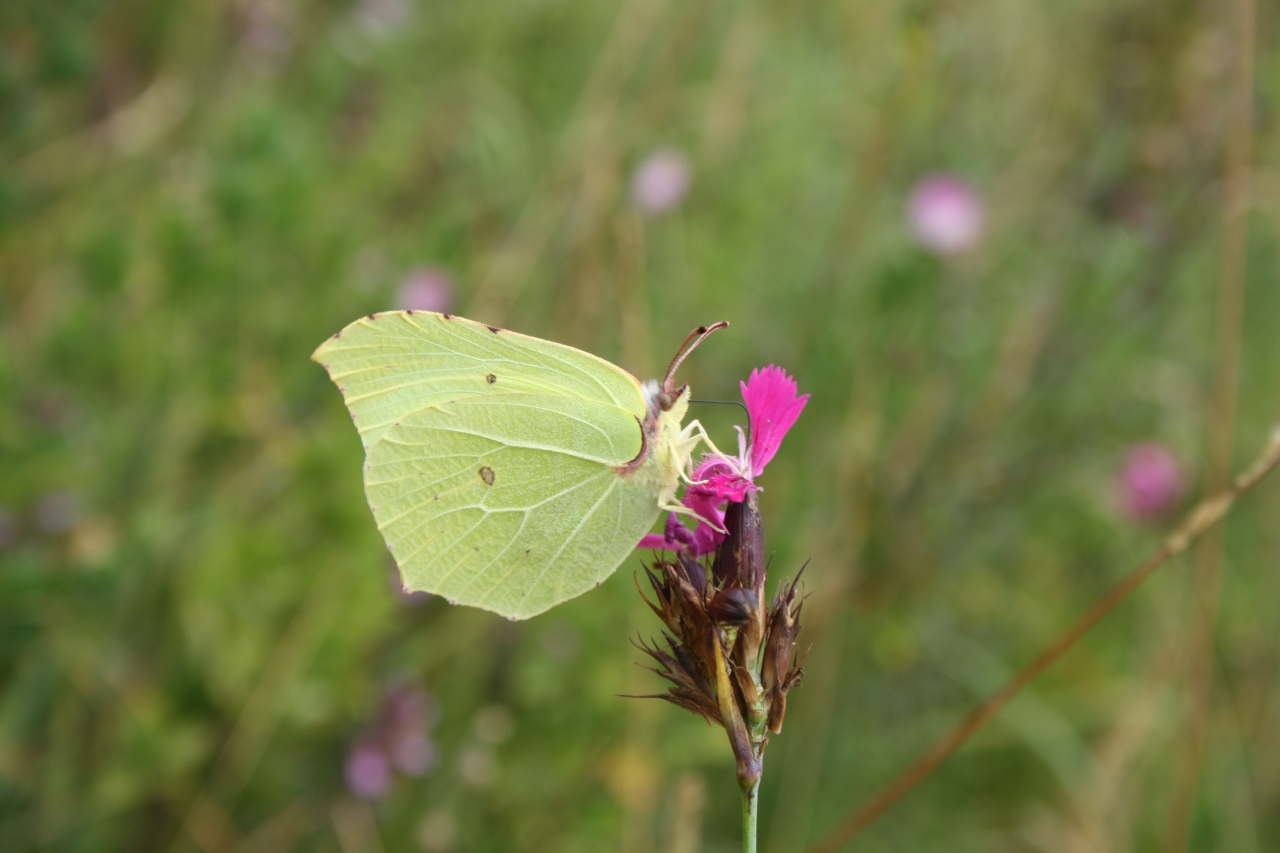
<point>388,365</point>
<point>492,458</point>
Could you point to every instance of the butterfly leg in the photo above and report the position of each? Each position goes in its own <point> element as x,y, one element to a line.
<point>689,438</point>
<point>681,509</point>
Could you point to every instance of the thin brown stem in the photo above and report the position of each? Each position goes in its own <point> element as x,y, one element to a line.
<point>1205,515</point>
<point>1207,581</point>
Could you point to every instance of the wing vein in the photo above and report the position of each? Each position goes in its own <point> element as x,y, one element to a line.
<point>585,518</point>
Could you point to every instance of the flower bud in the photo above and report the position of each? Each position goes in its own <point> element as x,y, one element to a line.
<point>734,606</point>
<point>740,557</point>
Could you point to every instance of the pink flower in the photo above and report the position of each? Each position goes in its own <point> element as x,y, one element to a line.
<point>368,771</point>
<point>946,214</point>
<point>673,537</point>
<point>425,289</point>
<point>772,408</point>
<point>397,739</point>
<point>1150,482</point>
<point>412,752</point>
<point>661,181</point>
<point>702,540</point>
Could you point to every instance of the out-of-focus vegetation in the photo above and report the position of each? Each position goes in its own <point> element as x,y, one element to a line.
<point>198,624</point>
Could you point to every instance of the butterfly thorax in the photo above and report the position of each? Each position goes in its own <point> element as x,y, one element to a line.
<point>665,450</point>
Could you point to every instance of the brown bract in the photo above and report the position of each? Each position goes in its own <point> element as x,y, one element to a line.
<point>727,655</point>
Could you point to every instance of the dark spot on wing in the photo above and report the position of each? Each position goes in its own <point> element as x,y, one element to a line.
<point>493,329</point>
<point>447,316</point>
<point>409,312</point>
<point>337,334</point>
<point>435,497</point>
<point>491,379</point>
<point>373,316</point>
<point>486,474</point>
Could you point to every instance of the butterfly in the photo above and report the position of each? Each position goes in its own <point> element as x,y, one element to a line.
<point>504,471</point>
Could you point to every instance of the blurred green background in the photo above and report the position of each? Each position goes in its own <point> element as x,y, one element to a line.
<point>199,630</point>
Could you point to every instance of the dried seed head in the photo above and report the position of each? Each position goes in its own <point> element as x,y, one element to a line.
<point>727,656</point>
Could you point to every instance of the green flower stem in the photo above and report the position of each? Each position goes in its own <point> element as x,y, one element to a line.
<point>750,807</point>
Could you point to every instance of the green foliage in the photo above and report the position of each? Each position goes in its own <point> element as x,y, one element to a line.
<point>196,615</point>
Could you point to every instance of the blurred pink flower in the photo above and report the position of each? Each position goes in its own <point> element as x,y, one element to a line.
<point>946,214</point>
<point>661,181</point>
<point>413,753</point>
<point>397,739</point>
<point>1150,483</point>
<point>368,771</point>
<point>411,707</point>
<point>426,289</point>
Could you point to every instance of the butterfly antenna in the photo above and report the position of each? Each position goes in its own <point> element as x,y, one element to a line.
<point>737,403</point>
<point>696,337</point>
<point>723,403</point>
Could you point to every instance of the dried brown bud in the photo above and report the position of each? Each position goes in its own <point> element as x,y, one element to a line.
<point>776,673</point>
<point>734,606</point>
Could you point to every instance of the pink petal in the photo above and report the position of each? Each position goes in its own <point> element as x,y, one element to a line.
<point>705,503</point>
<point>674,536</point>
<point>717,480</point>
<point>676,531</point>
<point>657,542</point>
<point>711,466</point>
<point>730,487</point>
<point>772,404</point>
<point>706,540</point>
